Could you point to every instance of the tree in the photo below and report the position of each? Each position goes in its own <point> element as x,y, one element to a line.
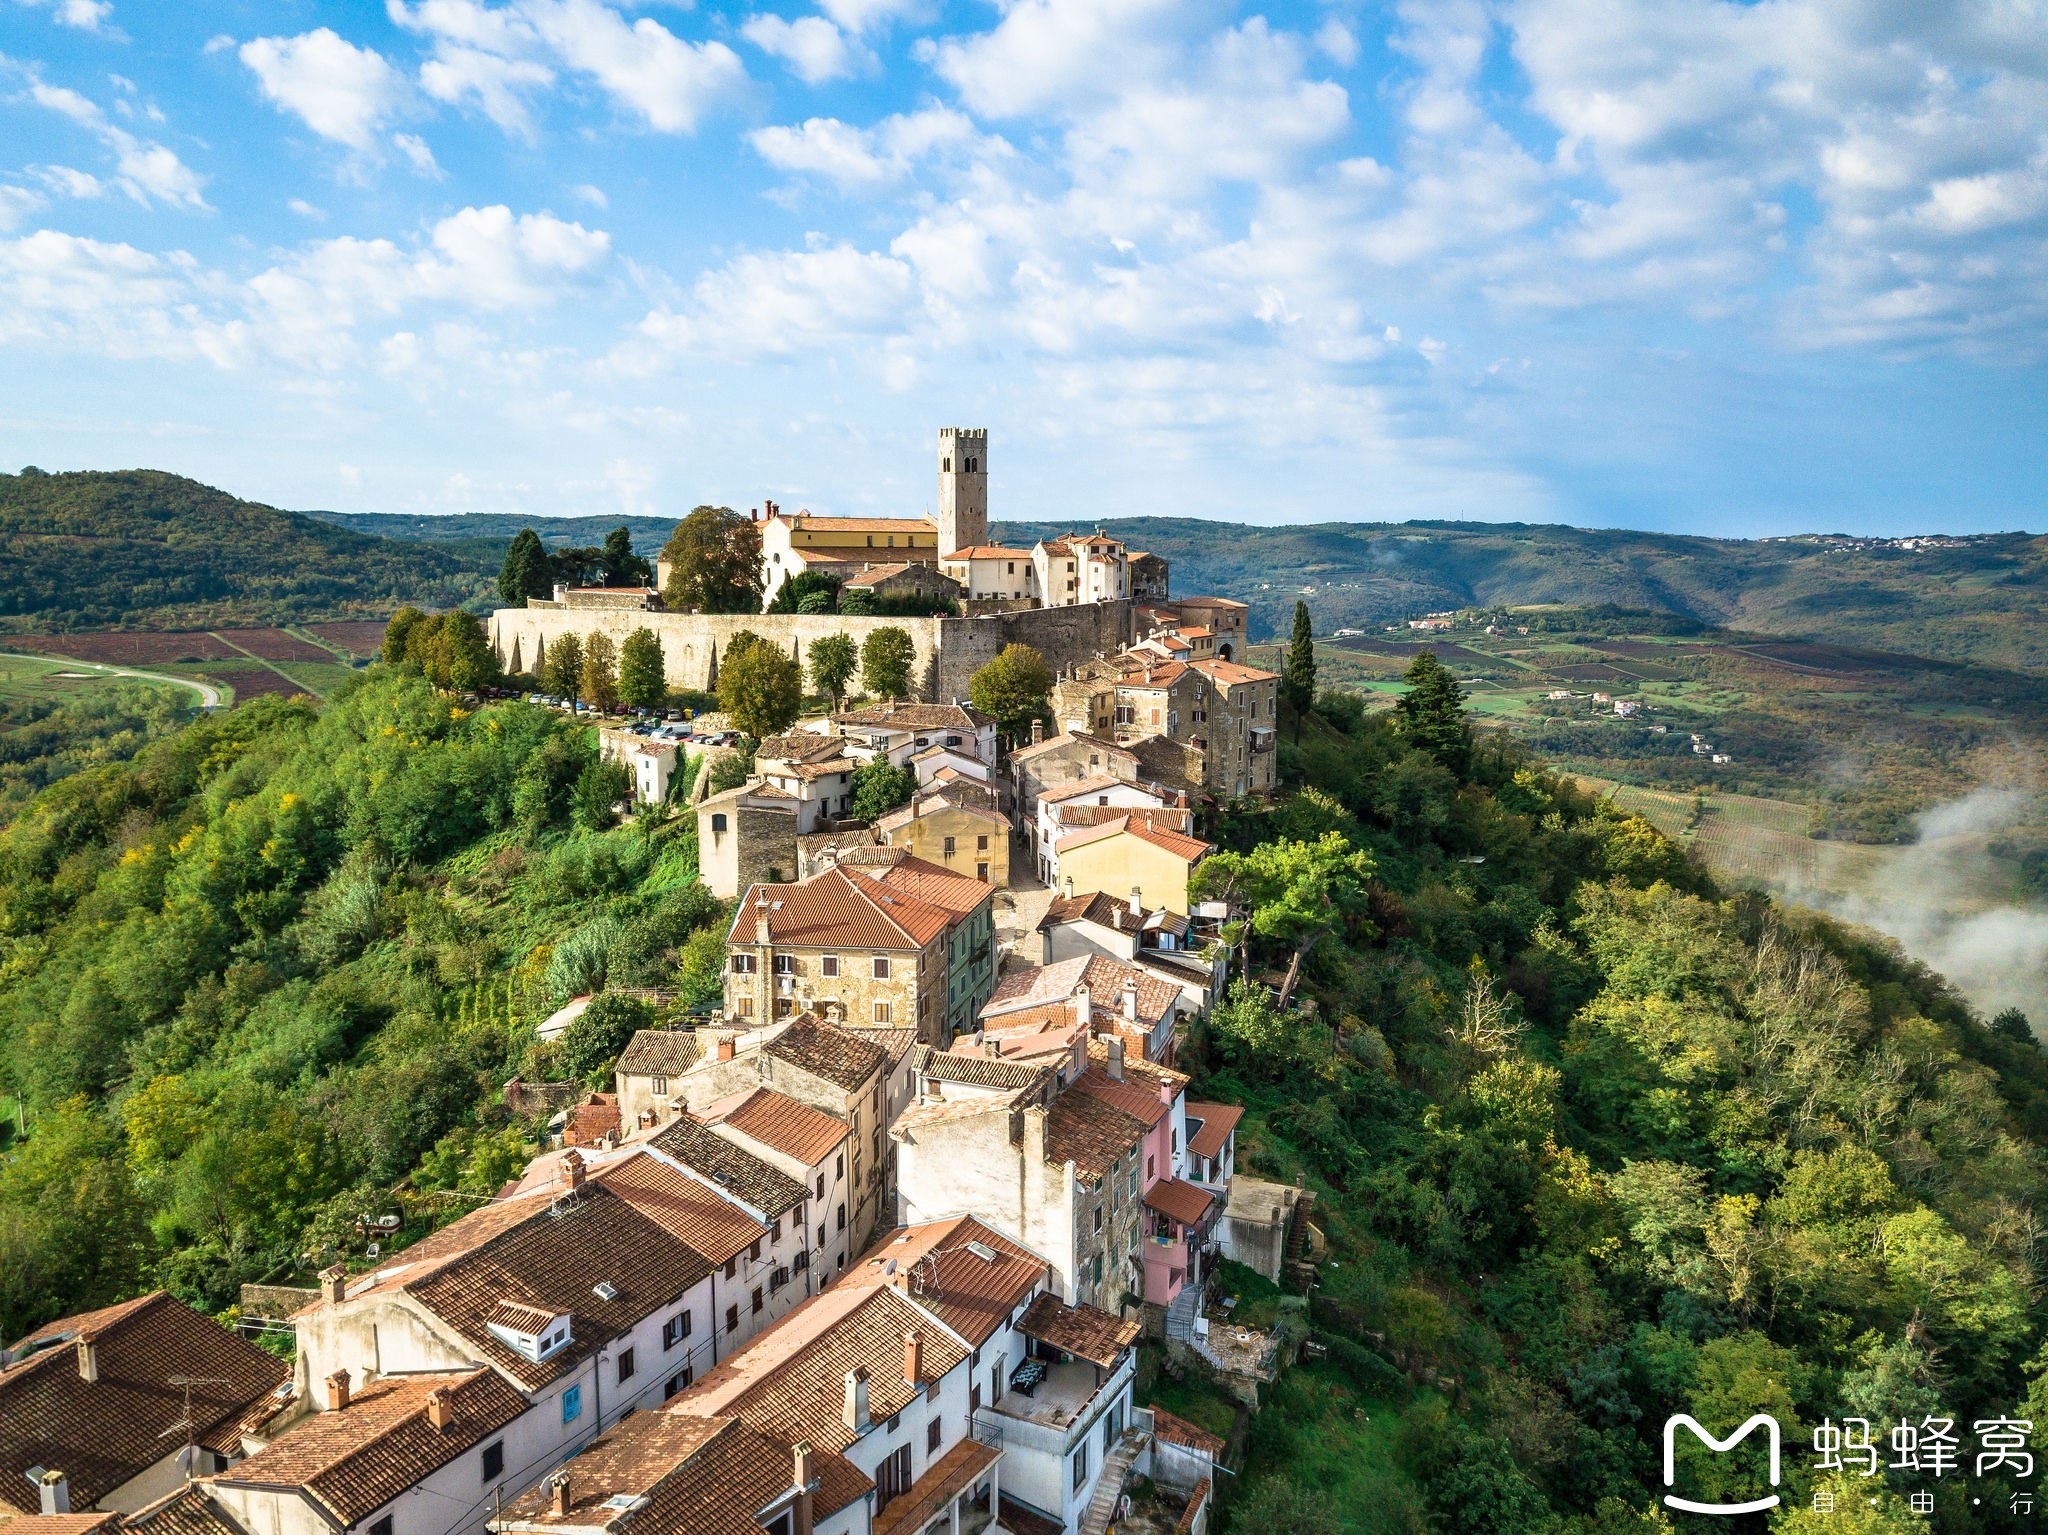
<point>397,631</point>
<point>761,688</point>
<point>576,567</point>
<point>1298,677</point>
<point>643,677</point>
<point>526,572</point>
<point>2013,1024</point>
<point>799,589</point>
<point>833,660</point>
<point>599,788</point>
<point>1431,714</point>
<point>1014,688</point>
<point>601,672</point>
<point>714,559</point>
<point>561,671</point>
<point>885,662</point>
<point>621,566</point>
<point>1279,1505</point>
<point>1295,890</point>
<point>599,1034</point>
<point>879,786</point>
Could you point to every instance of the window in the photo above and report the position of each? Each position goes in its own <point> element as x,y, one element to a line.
<point>382,1526</point>
<point>881,1012</point>
<point>820,1191</point>
<point>754,1251</point>
<point>494,1460</point>
<point>680,1381</point>
<point>1080,1467</point>
<point>881,967</point>
<point>892,1479</point>
<point>572,1404</point>
<point>931,1437</point>
<point>973,1404</point>
<point>829,966</point>
<point>717,822</point>
<point>627,1365</point>
<point>755,1309</point>
<point>660,1085</point>
<point>839,1166</point>
<point>746,1007</point>
<point>675,1329</point>
<point>732,1266</point>
<point>785,964</point>
<point>743,964</point>
<point>895,1422</point>
<point>779,1278</point>
<point>842,1215</point>
<point>784,1006</point>
<point>1098,1218</point>
<point>995,1380</point>
<point>1149,1161</point>
<point>980,846</point>
<point>732,1318</point>
<point>981,872</point>
<point>774,1229</point>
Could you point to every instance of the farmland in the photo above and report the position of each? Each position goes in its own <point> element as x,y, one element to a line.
<point>57,719</point>
<point>243,663</point>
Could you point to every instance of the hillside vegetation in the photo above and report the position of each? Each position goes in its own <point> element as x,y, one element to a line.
<point>143,549</point>
<point>1593,1141</point>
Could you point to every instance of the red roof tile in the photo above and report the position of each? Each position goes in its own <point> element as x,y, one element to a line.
<point>780,1123</point>
<point>1180,1201</point>
<point>968,1275</point>
<point>1083,1331</point>
<point>1218,1120</point>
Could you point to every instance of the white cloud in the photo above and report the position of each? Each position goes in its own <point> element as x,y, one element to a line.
<point>853,157</point>
<point>84,15</point>
<point>594,196</point>
<point>1337,42</point>
<point>668,81</point>
<point>417,154</point>
<point>146,171</point>
<point>498,85</point>
<point>858,16</point>
<point>340,91</point>
<point>17,206</point>
<point>306,210</point>
<point>814,49</point>
<point>1063,54</point>
<point>780,304</point>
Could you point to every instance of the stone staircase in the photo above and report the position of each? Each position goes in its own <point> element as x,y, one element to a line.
<point>1110,1487</point>
<point>1299,1263</point>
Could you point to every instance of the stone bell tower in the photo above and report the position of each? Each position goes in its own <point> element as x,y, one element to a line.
<point>963,488</point>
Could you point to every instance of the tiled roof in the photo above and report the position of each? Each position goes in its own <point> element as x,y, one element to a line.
<point>1096,907</point>
<point>913,716</point>
<point>780,1123</point>
<point>932,799</point>
<point>1082,1331</point>
<point>355,1460</point>
<point>937,1265</point>
<point>188,1511</point>
<point>1149,1075</point>
<point>1081,1128</point>
<point>799,746</point>
<point>1206,602</point>
<point>791,1380</point>
<point>1180,1201</point>
<point>706,1221</point>
<point>953,893</point>
<point>1179,1431</point>
<point>660,1053</point>
<point>1134,1099</point>
<point>103,1433</point>
<point>1232,674</point>
<point>809,521</point>
<point>840,1056</point>
<point>987,552</point>
<point>1066,738</point>
<point>974,1070</point>
<point>871,575</point>
<point>591,1121</point>
<point>944,1480</point>
<point>1155,674</point>
<point>1104,978</point>
<point>1179,844</point>
<point>1209,1126</point>
<point>732,1168</point>
<point>838,909</point>
<point>1099,783</point>
<point>60,1524</point>
<point>699,1475</point>
<point>935,1111</point>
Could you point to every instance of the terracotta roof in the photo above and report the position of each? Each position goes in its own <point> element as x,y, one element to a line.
<point>1092,1134</point>
<point>660,1053</point>
<point>188,1511</point>
<point>1192,849</point>
<point>1231,673</point>
<point>838,909</point>
<point>1065,738</point>
<point>953,893</point>
<point>1176,1430</point>
<point>925,803</point>
<point>1198,1500</point>
<point>944,1480</point>
<point>103,1433</point>
<point>1037,1028</point>
<point>59,1524</point>
<point>779,1122</point>
<point>897,1042</point>
<point>1082,1331</point>
<point>1095,906</point>
<point>355,1460</point>
<point>1092,785</point>
<point>1155,674</point>
<point>974,1070</point>
<point>1205,602</point>
<point>791,1380</point>
<point>683,1207</point>
<point>1135,1099</point>
<point>937,1264</point>
<point>799,746</point>
<point>1209,1126</point>
<point>1104,978</point>
<point>1149,1075</point>
<point>1180,1201</point>
<point>840,1056</point>
<point>700,1476</point>
<point>810,521</point>
<point>871,575</point>
<point>916,716</point>
<point>1164,818</point>
<point>987,552</point>
<point>732,1168</point>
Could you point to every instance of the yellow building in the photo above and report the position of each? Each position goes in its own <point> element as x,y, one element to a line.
<point>840,546</point>
<point>1129,856</point>
<point>966,838</point>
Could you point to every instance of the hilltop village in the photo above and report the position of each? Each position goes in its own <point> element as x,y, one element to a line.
<point>869,1246</point>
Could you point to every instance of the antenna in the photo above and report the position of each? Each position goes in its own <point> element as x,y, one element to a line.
<point>189,1456</point>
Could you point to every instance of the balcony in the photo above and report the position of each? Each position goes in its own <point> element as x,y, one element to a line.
<point>1060,1410</point>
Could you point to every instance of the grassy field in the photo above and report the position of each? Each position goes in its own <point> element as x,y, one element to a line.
<point>39,678</point>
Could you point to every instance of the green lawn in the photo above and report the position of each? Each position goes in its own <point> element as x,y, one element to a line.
<point>1321,1430</point>
<point>38,677</point>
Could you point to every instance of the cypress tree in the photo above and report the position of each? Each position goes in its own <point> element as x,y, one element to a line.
<point>526,572</point>
<point>1432,714</point>
<point>1298,676</point>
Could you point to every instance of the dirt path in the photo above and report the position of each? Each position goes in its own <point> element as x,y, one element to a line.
<point>268,665</point>
<point>209,695</point>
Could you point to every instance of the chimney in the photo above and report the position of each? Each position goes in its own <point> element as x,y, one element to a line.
<point>441,1408</point>
<point>1116,1058</point>
<point>992,1048</point>
<point>558,1494</point>
<point>1131,1000</point>
<point>761,920</point>
<point>1067,887</point>
<point>55,1487</point>
<point>337,1391</point>
<point>725,1048</point>
<point>88,1357</point>
<point>1137,903</point>
<point>572,1164</point>
<point>334,1285</point>
<point>1037,732</point>
<point>855,1411</point>
<point>832,1012</point>
<point>913,1357</point>
<point>800,1521</point>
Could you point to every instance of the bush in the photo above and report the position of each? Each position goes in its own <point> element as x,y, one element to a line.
<point>593,1043</point>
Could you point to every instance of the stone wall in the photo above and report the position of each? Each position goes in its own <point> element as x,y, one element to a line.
<point>949,650</point>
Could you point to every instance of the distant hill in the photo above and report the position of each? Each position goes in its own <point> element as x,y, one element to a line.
<point>143,549</point>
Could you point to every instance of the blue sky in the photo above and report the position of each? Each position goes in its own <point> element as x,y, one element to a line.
<point>1690,264</point>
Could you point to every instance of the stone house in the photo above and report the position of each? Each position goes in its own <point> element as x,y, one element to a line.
<point>991,571</point>
<point>746,836</point>
<point>651,765</point>
<point>971,941</point>
<point>1157,941</point>
<point>647,1080</point>
<point>1102,791</point>
<point>1238,723</point>
<point>839,939</point>
<point>1123,999</point>
<point>1052,761</point>
<point>813,771</point>
<point>812,1147</point>
<point>899,731</point>
<point>953,834</point>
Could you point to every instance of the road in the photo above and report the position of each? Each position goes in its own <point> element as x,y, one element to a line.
<point>209,695</point>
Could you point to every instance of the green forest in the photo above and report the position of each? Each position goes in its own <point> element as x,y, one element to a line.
<point>1593,1141</point>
